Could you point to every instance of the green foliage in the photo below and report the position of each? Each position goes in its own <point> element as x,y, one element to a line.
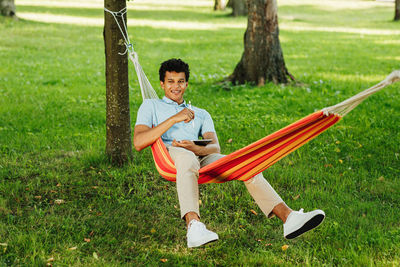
<point>62,203</point>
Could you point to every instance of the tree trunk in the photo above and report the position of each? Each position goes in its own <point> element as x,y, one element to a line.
<point>262,59</point>
<point>7,8</point>
<point>397,10</point>
<point>118,128</point>
<point>239,7</point>
<point>219,4</point>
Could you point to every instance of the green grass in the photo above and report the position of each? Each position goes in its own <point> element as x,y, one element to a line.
<point>52,140</point>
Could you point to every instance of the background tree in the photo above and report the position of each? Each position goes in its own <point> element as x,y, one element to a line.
<point>262,59</point>
<point>239,7</point>
<point>219,4</point>
<point>7,8</point>
<point>397,10</point>
<point>118,128</point>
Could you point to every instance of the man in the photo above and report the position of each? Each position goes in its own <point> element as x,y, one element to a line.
<point>177,123</point>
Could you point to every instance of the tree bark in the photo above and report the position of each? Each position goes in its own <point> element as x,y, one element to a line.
<point>239,7</point>
<point>219,4</point>
<point>7,8</point>
<point>118,128</point>
<point>262,59</point>
<point>397,10</point>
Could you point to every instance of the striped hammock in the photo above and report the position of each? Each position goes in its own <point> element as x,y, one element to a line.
<point>258,156</point>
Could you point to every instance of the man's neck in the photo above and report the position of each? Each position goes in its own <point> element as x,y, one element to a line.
<point>176,101</point>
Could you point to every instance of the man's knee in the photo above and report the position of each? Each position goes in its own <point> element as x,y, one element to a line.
<point>254,179</point>
<point>185,159</point>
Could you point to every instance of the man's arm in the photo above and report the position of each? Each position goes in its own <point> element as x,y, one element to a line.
<point>143,136</point>
<point>212,147</point>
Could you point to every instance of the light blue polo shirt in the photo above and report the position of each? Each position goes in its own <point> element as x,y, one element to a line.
<point>152,112</point>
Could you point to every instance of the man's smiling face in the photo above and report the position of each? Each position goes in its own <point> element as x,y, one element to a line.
<point>174,86</point>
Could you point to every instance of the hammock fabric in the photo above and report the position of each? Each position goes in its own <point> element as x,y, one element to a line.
<point>254,158</point>
<point>260,155</point>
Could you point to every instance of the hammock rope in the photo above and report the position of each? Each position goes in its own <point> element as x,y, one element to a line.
<point>145,87</point>
<point>244,163</point>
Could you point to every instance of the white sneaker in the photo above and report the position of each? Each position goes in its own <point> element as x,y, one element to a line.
<point>298,222</point>
<point>197,234</point>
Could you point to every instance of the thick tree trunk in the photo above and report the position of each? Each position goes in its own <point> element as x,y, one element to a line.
<point>219,4</point>
<point>397,10</point>
<point>262,59</point>
<point>118,128</point>
<point>239,7</point>
<point>7,8</point>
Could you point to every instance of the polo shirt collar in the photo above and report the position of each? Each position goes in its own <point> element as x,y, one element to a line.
<point>172,102</point>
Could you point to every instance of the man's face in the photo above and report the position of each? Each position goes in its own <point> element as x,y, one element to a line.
<point>174,85</point>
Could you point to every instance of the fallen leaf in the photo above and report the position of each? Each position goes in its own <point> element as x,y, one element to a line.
<point>176,207</point>
<point>58,185</point>
<point>164,260</point>
<point>200,202</point>
<point>50,259</point>
<point>87,240</point>
<point>59,201</point>
<point>340,161</point>
<point>38,197</point>
<point>328,165</point>
<point>254,212</point>
<point>259,240</point>
<point>91,233</point>
<point>285,247</point>
<point>49,264</point>
<point>337,150</point>
<point>313,181</point>
<point>95,187</point>
<point>337,142</point>
<point>229,140</point>
<point>130,225</point>
<point>3,244</point>
<point>268,244</point>
<point>296,197</point>
<point>152,230</point>
<point>53,191</point>
<point>381,179</point>
<point>73,248</point>
<point>95,255</point>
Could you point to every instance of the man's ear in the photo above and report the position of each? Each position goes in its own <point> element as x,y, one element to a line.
<point>162,84</point>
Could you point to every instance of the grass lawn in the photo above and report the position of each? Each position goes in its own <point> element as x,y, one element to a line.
<point>62,203</point>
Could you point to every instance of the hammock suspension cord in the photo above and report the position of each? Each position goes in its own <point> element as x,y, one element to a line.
<point>145,87</point>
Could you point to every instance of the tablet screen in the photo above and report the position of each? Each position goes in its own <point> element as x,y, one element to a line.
<point>202,142</point>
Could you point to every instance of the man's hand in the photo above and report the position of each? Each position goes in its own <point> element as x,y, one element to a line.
<point>213,147</point>
<point>185,115</point>
<point>189,145</point>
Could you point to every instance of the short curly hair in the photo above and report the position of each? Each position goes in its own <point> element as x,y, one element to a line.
<point>176,65</point>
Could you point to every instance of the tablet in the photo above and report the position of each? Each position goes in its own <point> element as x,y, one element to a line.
<point>202,142</point>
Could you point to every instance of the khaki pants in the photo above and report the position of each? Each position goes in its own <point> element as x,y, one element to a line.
<point>188,164</point>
